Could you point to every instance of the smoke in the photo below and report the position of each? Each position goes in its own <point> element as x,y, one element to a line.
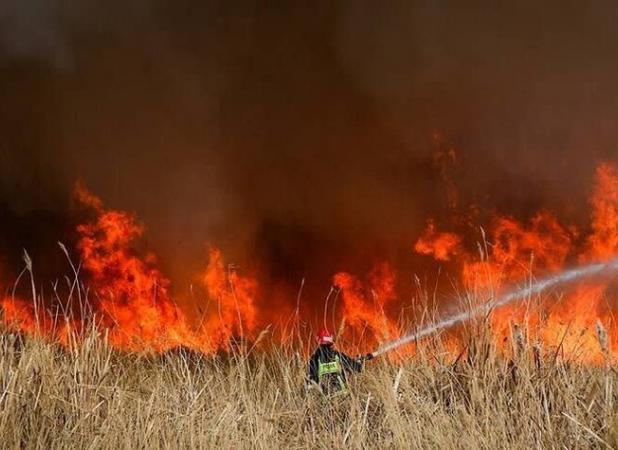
<point>298,138</point>
<point>32,28</point>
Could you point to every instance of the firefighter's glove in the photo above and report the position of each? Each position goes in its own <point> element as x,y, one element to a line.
<point>367,357</point>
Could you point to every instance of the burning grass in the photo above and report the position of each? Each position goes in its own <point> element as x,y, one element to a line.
<point>118,286</point>
<point>113,360</point>
<point>92,396</point>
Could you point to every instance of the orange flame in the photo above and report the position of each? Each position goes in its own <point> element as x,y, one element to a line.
<point>236,313</point>
<point>603,242</point>
<point>364,305</point>
<point>130,300</point>
<point>442,246</point>
<point>132,295</point>
<point>514,252</point>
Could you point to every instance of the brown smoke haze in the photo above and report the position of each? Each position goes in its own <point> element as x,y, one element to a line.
<point>300,139</point>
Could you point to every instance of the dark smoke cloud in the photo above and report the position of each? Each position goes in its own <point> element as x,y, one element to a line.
<point>299,137</point>
<point>33,28</point>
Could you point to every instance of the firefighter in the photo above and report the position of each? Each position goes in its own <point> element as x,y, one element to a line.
<point>328,367</point>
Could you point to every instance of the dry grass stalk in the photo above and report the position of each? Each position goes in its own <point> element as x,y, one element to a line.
<point>93,397</point>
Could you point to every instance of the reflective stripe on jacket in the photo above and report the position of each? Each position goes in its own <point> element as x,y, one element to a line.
<point>328,368</point>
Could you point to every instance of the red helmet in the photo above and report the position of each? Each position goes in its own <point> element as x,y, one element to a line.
<point>324,337</point>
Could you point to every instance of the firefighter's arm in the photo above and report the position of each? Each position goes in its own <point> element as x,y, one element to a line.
<point>362,359</point>
<point>351,364</point>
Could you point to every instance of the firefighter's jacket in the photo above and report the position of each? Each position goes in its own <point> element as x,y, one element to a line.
<point>328,367</point>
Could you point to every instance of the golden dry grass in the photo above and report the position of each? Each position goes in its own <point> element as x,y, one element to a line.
<point>93,397</point>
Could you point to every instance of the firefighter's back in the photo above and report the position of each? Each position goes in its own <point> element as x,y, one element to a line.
<point>330,373</point>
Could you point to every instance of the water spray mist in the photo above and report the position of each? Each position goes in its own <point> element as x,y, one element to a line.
<point>510,297</point>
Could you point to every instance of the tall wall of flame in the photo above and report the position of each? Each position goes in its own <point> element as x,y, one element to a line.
<point>293,134</point>
<point>302,141</point>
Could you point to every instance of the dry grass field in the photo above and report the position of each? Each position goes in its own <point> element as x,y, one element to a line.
<point>93,397</point>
